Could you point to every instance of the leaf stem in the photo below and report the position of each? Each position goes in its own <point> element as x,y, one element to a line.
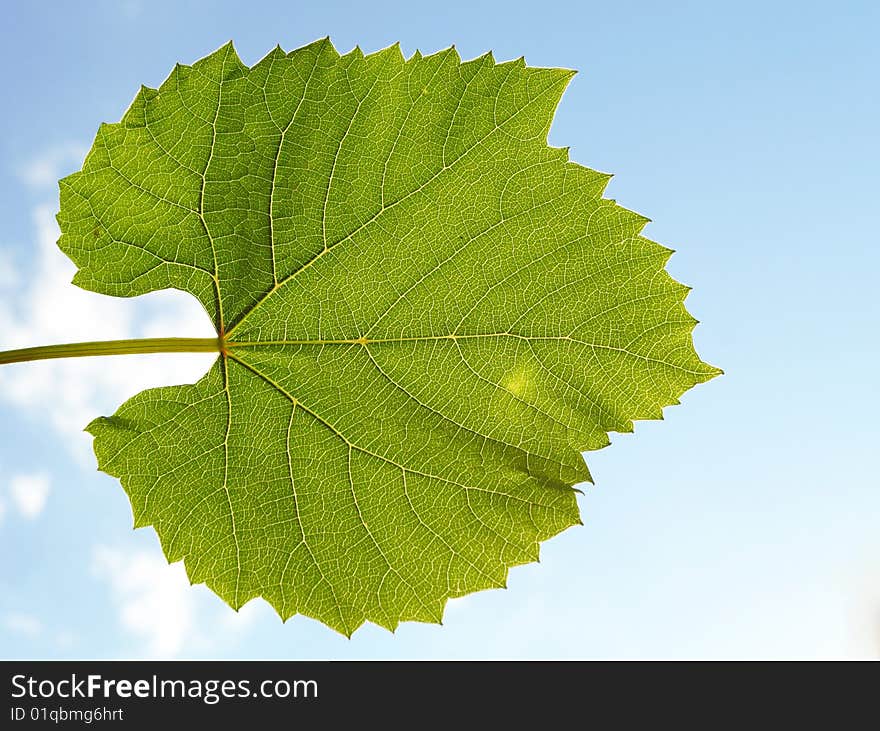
<point>114,347</point>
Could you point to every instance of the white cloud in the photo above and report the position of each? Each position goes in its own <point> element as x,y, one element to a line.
<point>251,614</point>
<point>44,170</point>
<point>22,624</point>
<point>64,639</point>
<point>29,493</point>
<point>863,625</point>
<point>157,604</point>
<point>32,628</point>
<point>155,600</point>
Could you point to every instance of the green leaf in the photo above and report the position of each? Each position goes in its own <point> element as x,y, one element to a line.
<point>428,313</point>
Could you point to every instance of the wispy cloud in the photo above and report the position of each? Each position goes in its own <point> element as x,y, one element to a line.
<point>31,631</point>
<point>44,170</point>
<point>21,624</point>
<point>29,493</point>
<point>8,270</point>
<point>158,606</point>
<point>24,494</point>
<point>154,600</point>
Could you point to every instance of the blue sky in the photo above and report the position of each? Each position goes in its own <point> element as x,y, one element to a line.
<point>743,525</point>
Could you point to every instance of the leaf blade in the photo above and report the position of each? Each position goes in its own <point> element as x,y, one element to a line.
<point>428,313</point>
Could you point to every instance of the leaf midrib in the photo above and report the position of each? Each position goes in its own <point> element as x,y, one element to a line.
<point>231,345</point>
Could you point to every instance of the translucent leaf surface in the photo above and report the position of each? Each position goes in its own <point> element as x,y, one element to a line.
<point>428,312</point>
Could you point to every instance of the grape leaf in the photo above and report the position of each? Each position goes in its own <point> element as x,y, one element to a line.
<point>426,315</point>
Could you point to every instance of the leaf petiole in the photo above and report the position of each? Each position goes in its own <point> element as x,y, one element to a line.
<point>113,347</point>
